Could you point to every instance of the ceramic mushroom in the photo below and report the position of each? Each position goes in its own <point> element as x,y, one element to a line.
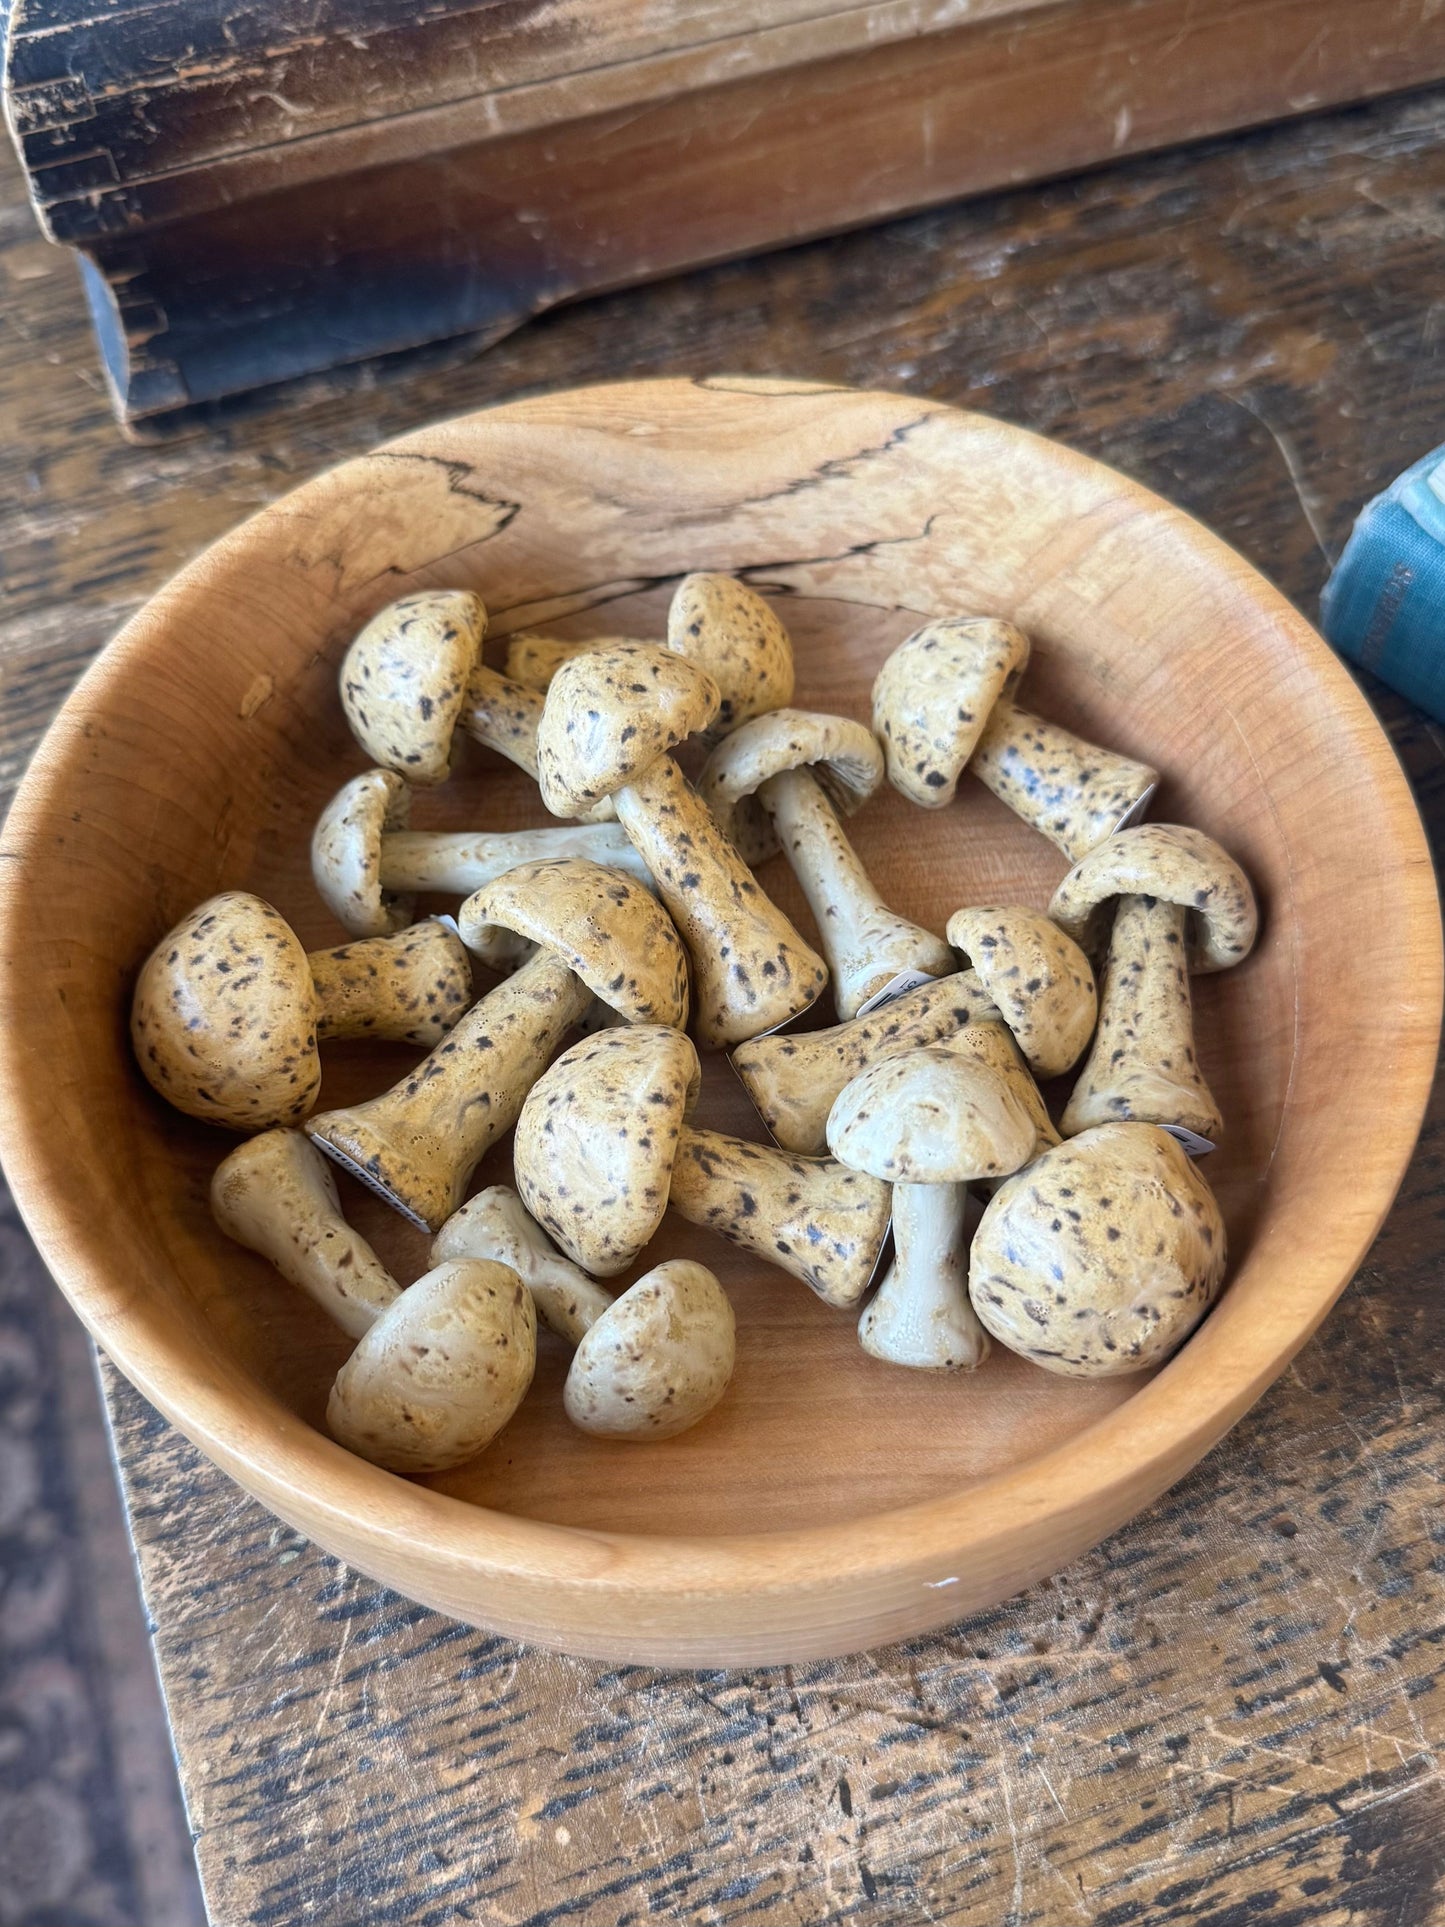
<point>649,1363</point>
<point>1102,1256</point>
<point>793,1080</point>
<point>943,700</point>
<point>929,1123</point>
<point>438,1368</point>
<point>368,866</point>
<point>598,935</point>
<point>228,1008</point>
<point>1037,977</point>
<point>603,1146</point>
<point>495,1224</point>
<point>782,781</point>
<point>1182,904</point>
<point>414,677</point>
<point>275,1195</point>
<point>440,1372</point>
<point>611,718</point>
<point>657,1360</point>
<point>716,622</point>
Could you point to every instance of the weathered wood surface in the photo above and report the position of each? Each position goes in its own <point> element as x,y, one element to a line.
<point>1232,1712</point>
<point>259,193</point>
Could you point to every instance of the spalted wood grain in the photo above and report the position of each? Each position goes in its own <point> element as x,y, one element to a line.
<point>1242,1688</point>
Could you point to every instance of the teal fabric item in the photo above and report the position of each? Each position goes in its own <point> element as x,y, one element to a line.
<point>1384,605</point>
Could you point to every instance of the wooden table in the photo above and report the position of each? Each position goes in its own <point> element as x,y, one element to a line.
<point>1229,1714</point>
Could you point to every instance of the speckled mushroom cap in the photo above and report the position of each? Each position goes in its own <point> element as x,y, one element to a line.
<point>224,1016</point>
<point>657,1360</point>
<point>609,715</point>
<point>1172,862</point>
<point>346,853</point>
<point>440,1372</point>
<point>596,1141</point>
<point>1039,978</point>
<point>607,929</point>
<point>932,698</point>
<point>930,1117</point>
<point>1102,1256</point>
<point>726,627</point>
<point>404,679</point>
<point>843,756</point>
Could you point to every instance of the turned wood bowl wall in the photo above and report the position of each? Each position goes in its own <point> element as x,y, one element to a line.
<point>831,1502</point>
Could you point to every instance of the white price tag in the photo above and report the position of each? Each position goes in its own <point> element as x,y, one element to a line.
<point>1135,814</point>
<point>1194,1144</point>
<point>896,987</point>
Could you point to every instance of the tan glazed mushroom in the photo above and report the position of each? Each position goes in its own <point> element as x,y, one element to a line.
<point>1183,904</point>
<point>599,935</point>
<point>440,1372</point>
<point>611,718</point>
<point>1038,978</point>
<point>603,1146</point>
<point>1102,1256</point>
<point>657,1360</point>
<point>649,1363</point>
<point>793,1080</point>
<point>275,1195</point>
<point>716,622</point>
<point>228,1008</point>
<point>782,781</point>
<point>929,1123</point>
<point>414,677</point>
<point>943,700</point>
<point>439,1368</point>
<point>368,866</point>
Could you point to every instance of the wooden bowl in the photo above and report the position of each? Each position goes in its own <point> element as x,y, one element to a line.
<point>831,1502</point>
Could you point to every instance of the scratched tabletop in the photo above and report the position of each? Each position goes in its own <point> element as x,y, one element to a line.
<point>1230,1713</point>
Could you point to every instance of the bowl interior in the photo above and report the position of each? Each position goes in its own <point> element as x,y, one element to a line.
<point>198,753</point>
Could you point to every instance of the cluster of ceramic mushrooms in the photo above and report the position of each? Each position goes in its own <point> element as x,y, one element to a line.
<point>1100,1245</point>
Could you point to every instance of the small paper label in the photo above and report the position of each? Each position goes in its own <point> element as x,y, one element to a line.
<point>897,987</point>
<point>1135,814</point>
<point>1194,1144</point>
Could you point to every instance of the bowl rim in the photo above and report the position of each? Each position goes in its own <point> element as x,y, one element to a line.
<point>1121,1461</point>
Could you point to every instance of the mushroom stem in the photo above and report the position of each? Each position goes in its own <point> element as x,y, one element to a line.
<point>1142,1067</point>
<point>866,944</point>
<point>720,911</point>
<point>533,660</point>
<point>458,862</point>
<point>810,1216</point>
<point>1073,792</point>
<point>793,1080</point>
<point>403,988</point>
<point>495,1224</point>
<point>275,1195</point>
<point>921,1315</point>
<point>418,1143</point>
<point>501,715</point>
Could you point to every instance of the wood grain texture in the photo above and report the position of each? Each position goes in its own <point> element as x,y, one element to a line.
<point>1214,1768</point>
<point>263,194</point>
